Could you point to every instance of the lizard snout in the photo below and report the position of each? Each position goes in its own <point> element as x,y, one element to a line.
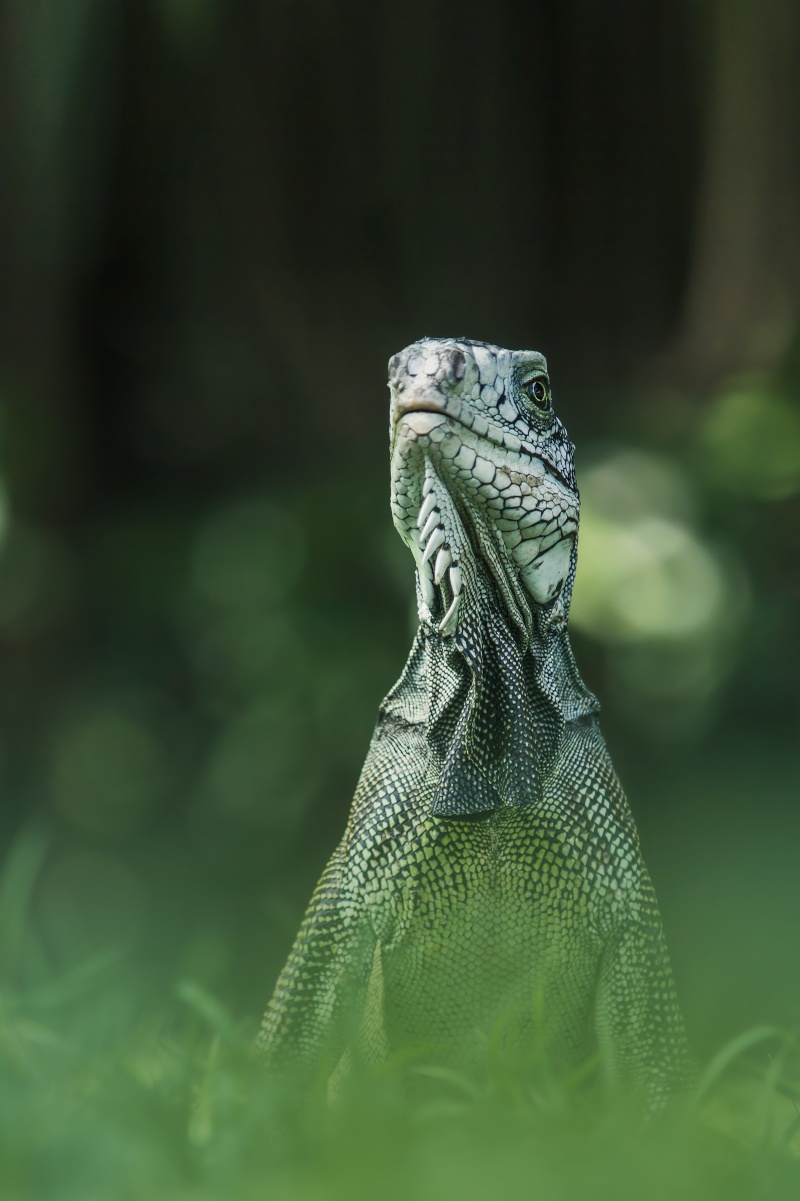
<point>431,364</point>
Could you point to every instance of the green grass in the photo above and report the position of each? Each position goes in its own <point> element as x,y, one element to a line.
<point>191,1115</point>
<point>163,1099</point>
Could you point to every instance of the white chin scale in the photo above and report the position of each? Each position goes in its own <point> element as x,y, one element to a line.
<point>437,561</point>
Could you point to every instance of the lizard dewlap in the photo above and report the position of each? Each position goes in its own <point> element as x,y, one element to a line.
<point>490,877</point>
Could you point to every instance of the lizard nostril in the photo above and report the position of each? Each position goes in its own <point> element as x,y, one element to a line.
<point>456,367</point>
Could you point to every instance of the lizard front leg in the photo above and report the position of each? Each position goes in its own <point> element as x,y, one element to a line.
<point>327,988</point>
<point>638,1022</point>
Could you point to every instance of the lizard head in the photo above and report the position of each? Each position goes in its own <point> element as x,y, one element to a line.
<point>482,478</point>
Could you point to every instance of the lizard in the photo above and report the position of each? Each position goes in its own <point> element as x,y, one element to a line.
<point>489,889</point>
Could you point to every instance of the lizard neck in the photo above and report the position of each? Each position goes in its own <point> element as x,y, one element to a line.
<point>497,695</point>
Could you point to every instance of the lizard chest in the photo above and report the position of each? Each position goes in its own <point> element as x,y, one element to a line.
<point>477,918</point>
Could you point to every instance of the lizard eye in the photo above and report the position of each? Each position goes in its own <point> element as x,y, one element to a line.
<point>537,391</point>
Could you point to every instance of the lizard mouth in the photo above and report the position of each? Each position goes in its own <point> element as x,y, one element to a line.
<point>417,406</point>
<point>463,416</point>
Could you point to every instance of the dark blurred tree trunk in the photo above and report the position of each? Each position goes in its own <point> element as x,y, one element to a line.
<point>743,297</point>
<point>57,64</point>
<point>214,204</point>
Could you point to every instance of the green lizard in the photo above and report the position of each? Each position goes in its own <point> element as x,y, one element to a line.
<point>489,889</point>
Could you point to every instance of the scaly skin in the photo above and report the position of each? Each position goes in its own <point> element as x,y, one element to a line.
<point>489,889</point>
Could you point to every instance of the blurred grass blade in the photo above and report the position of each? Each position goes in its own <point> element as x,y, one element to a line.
<point>211,1011</point>
<point>17,882</point>
<point>726,1056</point>
<point>201,1114</point>
<point>765,1115</point>
<point>448,1076</point>
<point>76,981</point>
<point>786,1139</point>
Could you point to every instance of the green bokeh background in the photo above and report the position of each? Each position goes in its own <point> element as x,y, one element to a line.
<point>219,221</point>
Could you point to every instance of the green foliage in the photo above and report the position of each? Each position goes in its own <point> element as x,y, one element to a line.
<point>99,1102</point>
<point>750,440</point>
